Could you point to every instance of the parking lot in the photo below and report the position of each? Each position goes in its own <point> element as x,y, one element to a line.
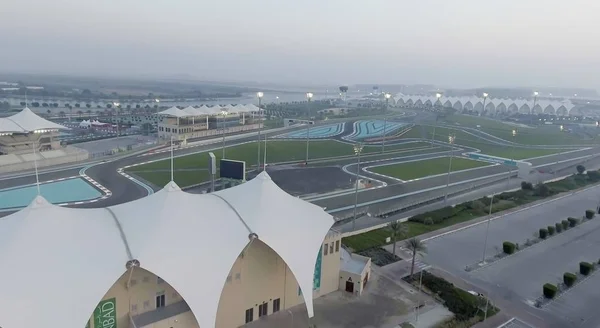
<point>518,279</point>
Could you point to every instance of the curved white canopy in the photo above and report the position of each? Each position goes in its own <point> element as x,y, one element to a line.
<point>27,121</point>
<point>81,252</point>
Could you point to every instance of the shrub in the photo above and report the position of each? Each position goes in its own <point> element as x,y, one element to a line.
<point>580,169</point>
<point>428,221</point>
<point>477,205</point>
<point>543,233</point>
<point>551,230</point>
<point>438,215</point>
<point>573,222</point>
<point>542,190</point>
<point>593,176</point>
<point>565,224</point>
<point>550,290</point>
<point>569,279</point>
<point>589,214</point>
<point>458,301</point>
<point>585,268</point>
<point>526,185</point>
<point>559,227</point>
<point>508,247</point>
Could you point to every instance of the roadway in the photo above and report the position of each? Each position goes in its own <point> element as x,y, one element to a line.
<point>516,281</point>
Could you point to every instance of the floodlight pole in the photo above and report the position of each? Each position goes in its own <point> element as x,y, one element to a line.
<point>357,150</point>
<point>37,177</point>
<point>223,126</point>
<point>172,158</point>
<point>420,288</point>
<point>259,95</point>
<point>384,132</point>
<point>487,230</point>
<point>309,96</point>
<point>451,142</point>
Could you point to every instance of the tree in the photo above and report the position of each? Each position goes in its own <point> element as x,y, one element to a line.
<point>397,229</point>
<point>416,246</point>
<point>88,105</point>
<point>580,169</point>
<point>79,112</point>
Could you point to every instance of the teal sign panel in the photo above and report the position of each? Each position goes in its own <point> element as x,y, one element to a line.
<point>492,159</point>
<point>317,276</point>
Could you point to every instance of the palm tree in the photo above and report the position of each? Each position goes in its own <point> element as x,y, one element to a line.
<point>397,229</point>
<point>416,246</point>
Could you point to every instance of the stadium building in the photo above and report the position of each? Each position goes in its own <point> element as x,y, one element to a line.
<point>204,121</point>
<point>26,138</point>
<point>179,260</point>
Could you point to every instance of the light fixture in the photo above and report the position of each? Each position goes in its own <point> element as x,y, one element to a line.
<point>514,132</point>
<point>535,93</point>
<point>388,96</point>
<point>485,95</point>
<point>438,95</point>
<point>260,94</point>
<point>309,95</point>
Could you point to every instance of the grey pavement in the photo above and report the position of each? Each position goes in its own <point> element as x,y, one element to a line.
<point>518,279</point>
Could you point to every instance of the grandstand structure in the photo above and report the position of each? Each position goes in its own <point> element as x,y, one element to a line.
<point>196,122</point>
<point>26,138</point>
<point>172,259</point>
<point>492,105</point>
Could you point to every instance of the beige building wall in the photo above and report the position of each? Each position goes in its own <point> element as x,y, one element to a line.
<point>259,276</point>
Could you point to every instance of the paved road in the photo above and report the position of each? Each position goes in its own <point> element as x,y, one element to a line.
<point>518,279</point>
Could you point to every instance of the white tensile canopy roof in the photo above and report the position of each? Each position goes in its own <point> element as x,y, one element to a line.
<point>27,121</point>
<point>174,112</point>
<point>75,255</point>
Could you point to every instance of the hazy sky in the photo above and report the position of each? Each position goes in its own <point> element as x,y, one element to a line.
<point>460,43</point>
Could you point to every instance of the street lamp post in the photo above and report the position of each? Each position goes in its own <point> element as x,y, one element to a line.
<point>259,95</point>
<point>512,151</point>
<point>357,150</point>
<point>451,139</point>
<point>437,96</point>
<point>309,96</point>
<point>224,113</point>
<point>116,105</point>
<point>387,100</point>
<point>535,96</point>
<point>485,95</point>
<point>487,230</point>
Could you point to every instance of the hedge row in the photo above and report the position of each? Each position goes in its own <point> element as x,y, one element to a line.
<point>569,279</point>
<point>461,303</point>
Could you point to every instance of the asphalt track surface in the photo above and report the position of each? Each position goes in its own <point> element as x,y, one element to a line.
<point>125,190</point>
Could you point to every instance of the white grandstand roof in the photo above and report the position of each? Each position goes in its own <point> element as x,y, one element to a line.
<point>174,112</point>
<point>26,121</point>
<point>76,255</point>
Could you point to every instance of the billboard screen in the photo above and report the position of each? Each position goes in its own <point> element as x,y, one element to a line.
<point>230,169</point>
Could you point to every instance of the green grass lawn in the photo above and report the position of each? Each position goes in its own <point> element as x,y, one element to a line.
<point>419,169</point>
<point>465,139</point>
<point>191,169</point>
<point>541,135</point>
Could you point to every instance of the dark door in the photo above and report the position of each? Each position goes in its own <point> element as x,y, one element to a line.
<point>349,286</point>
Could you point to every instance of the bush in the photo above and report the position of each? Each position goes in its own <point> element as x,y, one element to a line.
<point>508,247</point>
<point>593,176</point>
<point>569,279</point>
<point>438,215</point>
<point>589,214</point>
<point>550,290</point>
<point>573,222</point>
<point>477,205</point>
<point>580,169</point>
<point>543,233</point>
<point>461,303</point>
<point>551,230</point>
<point>526,185</point>
<point>565,224</point>
<point>585,268</point>
<point>542,190</point>
<point>559,227</point>
<point>428,221</point>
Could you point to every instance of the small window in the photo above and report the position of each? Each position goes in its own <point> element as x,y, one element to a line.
<point>263,309</point>
<point>299,291</point>
<point>331,248</point>
<point>132,282</point>
<point>133,307</point>
<point>160,301</point>
<point>159,280</point>
<point>146,279</point>
<point>238,276</point>
<point>229,278</point>
<point>325,249</point>
<point>276,305</point>
<point>249,315</point>
<point>337,246</point>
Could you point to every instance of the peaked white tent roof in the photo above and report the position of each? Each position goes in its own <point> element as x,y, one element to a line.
<point>174,112</point>
<point>27,121</point>
<point>81,268</point>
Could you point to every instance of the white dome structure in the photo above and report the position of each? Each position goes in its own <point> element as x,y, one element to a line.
<point>492,105</point>
<point>82,252</point>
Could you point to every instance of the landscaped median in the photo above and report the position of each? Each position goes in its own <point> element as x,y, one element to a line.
<point>422,168</point>
<point>469,308</point>
<point>551,291</point>
<point>451,215</point>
